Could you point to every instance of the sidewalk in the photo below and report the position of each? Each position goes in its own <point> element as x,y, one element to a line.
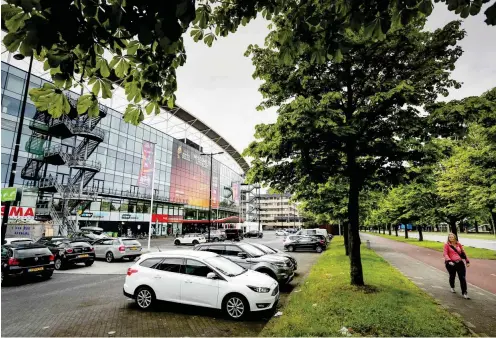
<point>425,267</point>
<point>489,243</point>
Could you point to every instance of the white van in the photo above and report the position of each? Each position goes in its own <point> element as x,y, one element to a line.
<point>310,232</point>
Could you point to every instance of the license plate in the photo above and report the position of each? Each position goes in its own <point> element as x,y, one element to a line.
<point>133,248</point>
<point>35,269</point>
<point>83,256</point>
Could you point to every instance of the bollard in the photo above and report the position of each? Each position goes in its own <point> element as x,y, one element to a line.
<point>368,244</point>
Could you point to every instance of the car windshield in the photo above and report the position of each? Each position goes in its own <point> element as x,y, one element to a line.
<point>225,266</point>
<point>266,249</point>
<point>31,252</point>
<point>79,244</point>
<point>251,250</point>
<point>22,241</point>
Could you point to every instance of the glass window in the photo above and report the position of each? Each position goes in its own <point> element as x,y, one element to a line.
<point>4,78</point>
<point>113,139</point>
<point>121,155</point>
<point>111,163</point>
<point>171,265</point>
<point>7,138</point>
<point>112,153</point>
<point>139,133</point>
<point>225,266</point>
<point>232,250</point>
<point>15,84</point>
<point>151,262</point>
<point>119,165</point>
<point>196,268</point>
<point>123,126</point>
<point>218,249</point>
<point>122,142</point>
<point>30,110</point>
<point>130,144</point>
<point>10,105</point>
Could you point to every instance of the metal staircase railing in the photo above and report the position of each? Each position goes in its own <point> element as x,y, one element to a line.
<point>31,170</point>
<point>58,149</point>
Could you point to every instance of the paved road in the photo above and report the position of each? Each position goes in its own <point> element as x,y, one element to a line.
<point>467,241</point>
<point>86,301</point>
<point>426,268</point>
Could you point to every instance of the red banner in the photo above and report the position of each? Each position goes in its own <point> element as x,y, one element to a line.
<point>161,218</point>
<point>147,165</point>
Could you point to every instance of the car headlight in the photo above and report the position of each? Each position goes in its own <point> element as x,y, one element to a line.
<point>259,289</point>
<point>280,264</point>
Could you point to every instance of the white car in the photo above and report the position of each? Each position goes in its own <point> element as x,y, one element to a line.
<point>18,240</point>
<point>281,233</point>
<point>190,239</point>
<point>200,278</point>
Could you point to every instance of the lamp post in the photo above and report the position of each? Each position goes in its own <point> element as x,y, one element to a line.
<point>210,198</point>
<point>17,144</point>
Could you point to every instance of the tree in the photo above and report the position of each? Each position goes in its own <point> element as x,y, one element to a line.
<point>358,119</point>
<point>139,44</point>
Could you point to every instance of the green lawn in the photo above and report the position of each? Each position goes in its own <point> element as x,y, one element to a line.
<point>390,304</point>
<point>438,246</point>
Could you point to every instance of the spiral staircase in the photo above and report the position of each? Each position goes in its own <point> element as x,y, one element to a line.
<point>74,194</point>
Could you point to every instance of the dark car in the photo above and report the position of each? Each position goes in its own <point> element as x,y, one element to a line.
<point>271,251</point>
<point>69,252</point>
<point>321,238</point>
<point>25,260</point>
<point>254,233</point>
<point>307,243</point>
<point>45,239</point>
<point>234,234</point>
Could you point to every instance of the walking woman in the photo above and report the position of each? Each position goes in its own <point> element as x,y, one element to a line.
<point>454,256</point>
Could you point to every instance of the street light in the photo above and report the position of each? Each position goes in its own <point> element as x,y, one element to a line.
<point>17,145</point>
<point>210,198</point>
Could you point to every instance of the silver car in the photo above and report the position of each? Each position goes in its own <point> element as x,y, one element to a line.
<point>117,248</point>
<point>278,267</point>
<point>271,251</point>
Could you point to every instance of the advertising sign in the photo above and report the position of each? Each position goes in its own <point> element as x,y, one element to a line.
<point>147,165</point>
<point>9,194</point>
<point>236,191</point>
<point>20,212</point>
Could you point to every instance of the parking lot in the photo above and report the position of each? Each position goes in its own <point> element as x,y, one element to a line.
<point>88,301</point>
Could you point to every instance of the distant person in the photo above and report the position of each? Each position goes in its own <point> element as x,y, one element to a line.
<point>454,254</point>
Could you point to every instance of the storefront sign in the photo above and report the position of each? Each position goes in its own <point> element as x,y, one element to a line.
<point>20,212</point>
<point>161,218</point>
<point>147,165</point>
<point>9,194</point>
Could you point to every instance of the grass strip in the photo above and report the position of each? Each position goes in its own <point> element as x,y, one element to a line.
<point>438,246</point>
<point>390,304</point>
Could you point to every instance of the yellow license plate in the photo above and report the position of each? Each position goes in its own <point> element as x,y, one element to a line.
<point>83,256</point>
<point>35,269</point>
<point>134,248</point>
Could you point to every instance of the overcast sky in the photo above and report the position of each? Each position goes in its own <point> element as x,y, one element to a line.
<point>216,83</point>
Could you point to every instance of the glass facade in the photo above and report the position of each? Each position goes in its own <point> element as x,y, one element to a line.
<point>182,174</point>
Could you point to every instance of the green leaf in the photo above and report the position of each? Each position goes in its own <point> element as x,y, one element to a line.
<point>133,47</point>
<point>133,114</point>
<point>104,68</point>
<point>338,56</point>
<point>84,102</point>
<point>465,12</point>
<point>9,11</point>
<point>171,102</point>
<point>16,22</point>
<point>491,15</point>
<point>96,87</point>
<point>106,89</point>
<point>12,41</point>
<point>196,34</point>
<point>209,39</point>
<point>149,107</point>
<point>94,109</point>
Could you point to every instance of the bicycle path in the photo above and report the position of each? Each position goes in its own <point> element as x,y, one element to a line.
<point>425,267</point>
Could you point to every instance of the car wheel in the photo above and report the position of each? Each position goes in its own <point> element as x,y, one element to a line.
<point>319,249</point>
<point>290,248</point>
<point>47,275</point>
<point>236,307</point>
<point>145,298</point>
<point>177,242</point>
<point>58,264</point>
<point>109,257</point>
<point>89,263</point>
<point>195,242</point>
<point>216,239</point>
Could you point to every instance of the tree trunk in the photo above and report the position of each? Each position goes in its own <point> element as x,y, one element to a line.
<point>493,216</point>
<point>383,229</point>
<point>396,229</point>
<point>462,226</point>
<point>453,227</point>
<point>389,229</point>
<point>421,235</point>
<point>356,272</point>
<point>437,227</point>
<point>345,234</point>
<point>476,224</point>
<point>406,231</point>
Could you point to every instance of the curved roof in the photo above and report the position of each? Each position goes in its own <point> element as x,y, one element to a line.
<point>199,125</point>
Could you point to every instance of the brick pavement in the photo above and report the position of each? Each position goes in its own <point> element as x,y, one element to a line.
<point>425,267</point>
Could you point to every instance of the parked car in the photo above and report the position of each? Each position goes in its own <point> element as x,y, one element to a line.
<point>254,233</point>
<point>202,279</point>
<point>190,239</point>
<point>45,239</point>
<point>215,236</point>
<point>69,252</point>
<point>250,257</point>
<point>322,238</point>
<point>281,233</point>
<point>271,251</point>
<point>234,234</point>
<point>305,243</point>
<point>86,236</point>
<point>94,232</point>
<point>18,240</point>
<point>316,231</point>
<point>117,248</point>
<point>26,259</point>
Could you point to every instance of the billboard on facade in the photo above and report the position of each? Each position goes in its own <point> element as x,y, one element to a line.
<point>190,177</point>
<point>236,192</point>
<point>147,165</point>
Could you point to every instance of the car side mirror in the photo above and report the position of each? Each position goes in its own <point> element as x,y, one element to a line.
<point>242,255</point>
<point>211,275</point>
